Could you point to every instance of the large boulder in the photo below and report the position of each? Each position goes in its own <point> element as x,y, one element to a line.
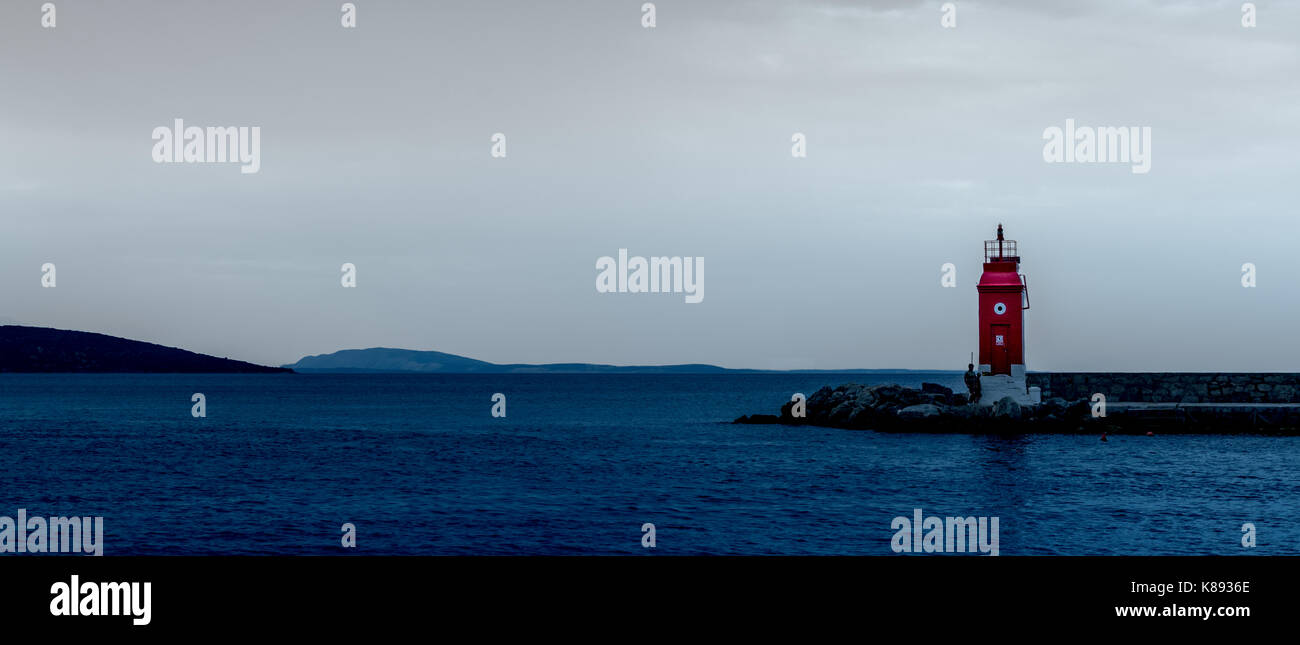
<point>845,406</point>
<point>1079,409</point>
<point>1007,408</point>
<point>920,411</point>
<point>938,392</point>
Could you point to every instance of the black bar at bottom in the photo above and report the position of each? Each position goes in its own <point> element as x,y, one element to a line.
<point>197,595</point>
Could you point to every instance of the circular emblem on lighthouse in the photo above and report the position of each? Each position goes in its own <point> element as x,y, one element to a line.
<point>1000,308</point>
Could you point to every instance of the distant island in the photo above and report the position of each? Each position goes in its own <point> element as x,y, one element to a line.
<point>387,360</point>
<point>42,349</point>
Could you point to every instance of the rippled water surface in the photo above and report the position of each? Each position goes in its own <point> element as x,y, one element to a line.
<point>420,466</point>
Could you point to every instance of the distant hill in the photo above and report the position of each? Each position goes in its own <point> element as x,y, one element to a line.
<point>389,360</point>
<point>42,349</point>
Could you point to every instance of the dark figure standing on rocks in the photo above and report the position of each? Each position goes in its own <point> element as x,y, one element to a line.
<point>972,382</point>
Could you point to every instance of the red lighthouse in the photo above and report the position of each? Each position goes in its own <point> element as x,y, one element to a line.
<point>1004,295</point>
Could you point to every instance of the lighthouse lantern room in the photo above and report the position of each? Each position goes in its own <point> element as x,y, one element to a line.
<point>1003,296</point>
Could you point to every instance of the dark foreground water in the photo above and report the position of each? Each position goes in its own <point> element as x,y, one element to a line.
<point>420,466</point>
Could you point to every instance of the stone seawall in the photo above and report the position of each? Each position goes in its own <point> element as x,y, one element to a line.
<point>1171,387</point>
<point>935,408</point>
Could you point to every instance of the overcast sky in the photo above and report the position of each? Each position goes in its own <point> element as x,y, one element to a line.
<point>671,141</point>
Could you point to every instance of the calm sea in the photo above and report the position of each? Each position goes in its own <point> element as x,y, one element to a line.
<point>419,466</point>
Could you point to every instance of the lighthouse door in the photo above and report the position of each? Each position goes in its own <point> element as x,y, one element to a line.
<point>1001,354</point>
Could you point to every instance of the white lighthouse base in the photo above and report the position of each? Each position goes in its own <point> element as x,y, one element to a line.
<point>994,387</point>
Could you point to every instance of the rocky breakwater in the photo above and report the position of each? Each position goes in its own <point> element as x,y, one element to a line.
<point>933,408</point>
